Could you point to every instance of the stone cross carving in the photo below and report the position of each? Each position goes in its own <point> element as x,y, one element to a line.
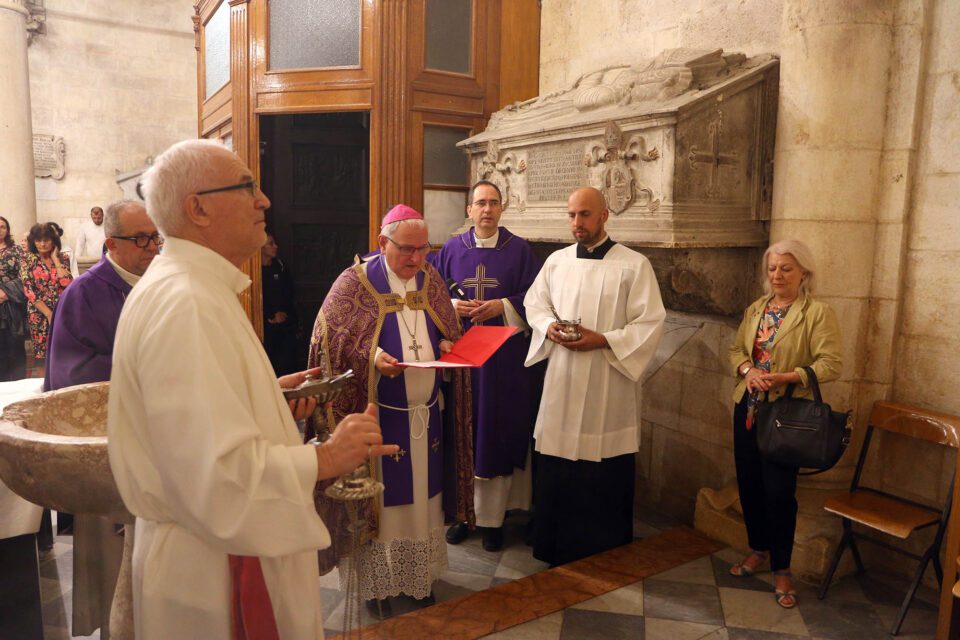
<point>714,158</point>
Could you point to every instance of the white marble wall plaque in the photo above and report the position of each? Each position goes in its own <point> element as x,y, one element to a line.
<point>48,155</point>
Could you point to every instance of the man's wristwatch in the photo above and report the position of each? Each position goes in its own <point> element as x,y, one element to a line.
<point>745,369</point>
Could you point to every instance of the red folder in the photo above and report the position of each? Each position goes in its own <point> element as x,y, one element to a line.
<point>472,350</point>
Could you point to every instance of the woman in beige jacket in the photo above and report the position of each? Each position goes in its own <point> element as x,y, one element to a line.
<point>782,332</point>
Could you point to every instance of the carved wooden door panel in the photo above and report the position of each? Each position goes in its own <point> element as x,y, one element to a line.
<point>315,171</point>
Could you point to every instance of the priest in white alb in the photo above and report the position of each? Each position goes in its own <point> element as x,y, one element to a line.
<point>203,446</point>
<point>588,428</point>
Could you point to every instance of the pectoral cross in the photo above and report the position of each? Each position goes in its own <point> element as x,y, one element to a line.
<point>415,348</point>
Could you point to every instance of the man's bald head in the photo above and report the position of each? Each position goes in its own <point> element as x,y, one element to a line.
<point>587,210</point>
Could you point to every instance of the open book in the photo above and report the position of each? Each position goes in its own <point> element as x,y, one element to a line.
<point>472,350</point>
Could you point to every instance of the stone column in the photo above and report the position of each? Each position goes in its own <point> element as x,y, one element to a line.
<point>19,204</point>
<point>834,80</point>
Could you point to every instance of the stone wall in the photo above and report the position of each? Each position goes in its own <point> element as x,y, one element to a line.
<point>868,168</point>
<point>118,82</point>
<point>578,36</point>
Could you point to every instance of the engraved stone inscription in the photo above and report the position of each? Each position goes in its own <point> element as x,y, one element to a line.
<point>48,152</point>
<point>554,170</point>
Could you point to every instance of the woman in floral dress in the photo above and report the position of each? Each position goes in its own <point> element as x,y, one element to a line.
<point>45,274</point>
<point>13,307</point>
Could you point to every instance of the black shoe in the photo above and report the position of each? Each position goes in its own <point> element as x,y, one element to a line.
<point>457,533</point>
<point>492,538</point>
<point>379,609</point>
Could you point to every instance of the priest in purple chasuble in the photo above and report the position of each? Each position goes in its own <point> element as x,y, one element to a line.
<point>393,306</point>
<point>494,268</point>
<point>80,350</point>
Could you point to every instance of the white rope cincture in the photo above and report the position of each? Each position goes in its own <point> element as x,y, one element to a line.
<point>421,411</point>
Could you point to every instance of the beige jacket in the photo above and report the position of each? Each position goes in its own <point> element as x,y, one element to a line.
<point>809,336</point>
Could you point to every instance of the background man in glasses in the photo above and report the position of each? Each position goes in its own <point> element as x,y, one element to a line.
<point>80,351</point>
<point>495,268</point>
<point>204,447</point>
<point>393,306</point>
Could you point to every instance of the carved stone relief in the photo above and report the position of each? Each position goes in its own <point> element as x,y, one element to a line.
<point>616,179</point>
<point>502,172</point>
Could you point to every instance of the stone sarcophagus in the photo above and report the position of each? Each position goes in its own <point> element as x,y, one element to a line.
<point>681,146</point>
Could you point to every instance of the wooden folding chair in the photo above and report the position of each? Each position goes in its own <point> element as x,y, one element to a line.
<point>888,513</point>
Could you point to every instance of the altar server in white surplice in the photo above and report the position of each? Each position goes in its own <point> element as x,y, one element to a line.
<point>203,446</point>
<point>588,427</point>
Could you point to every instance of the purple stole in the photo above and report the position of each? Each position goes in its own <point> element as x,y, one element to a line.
<point>395,425</point>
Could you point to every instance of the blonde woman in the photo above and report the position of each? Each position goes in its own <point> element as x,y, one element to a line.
<point>783,331</point>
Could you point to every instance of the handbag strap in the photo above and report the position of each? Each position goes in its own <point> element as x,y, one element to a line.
<point>814,384</point>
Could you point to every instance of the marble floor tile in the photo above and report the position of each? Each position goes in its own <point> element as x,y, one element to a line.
<point>628,599</point>
<point>719,634</point>
<point>699,571</point>
<point>838,619</point>
<point>761,581</point>
<point>516,562</point>
<point>919,622</point>
<point>662,629</point>
<point>462,582</point>
<point>580,624</point>
<point>330,580</point>
<point>760,611</point>
<point>545,628</point>
<point>656,519</point>
<point>642,529</point>
<point>469,557</point>
<point>756,634</point>
<point>679,601</point>
<point>882,588</point>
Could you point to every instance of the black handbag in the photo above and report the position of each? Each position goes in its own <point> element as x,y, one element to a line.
<point>802,433</point>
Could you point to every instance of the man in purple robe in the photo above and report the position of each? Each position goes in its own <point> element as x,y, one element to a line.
<point>493,269</point>
<point>81,351</point>
<point>85,320</point>
<point>392,307</point>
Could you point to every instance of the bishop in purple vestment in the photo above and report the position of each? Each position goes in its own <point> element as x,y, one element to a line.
<point>80,350</point>
<point>390,307</point>
<point>494,268</point>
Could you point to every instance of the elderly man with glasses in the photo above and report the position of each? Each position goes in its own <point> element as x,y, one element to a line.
<point>389,308</point>
<point>80,351</point>
<point>203,446</point>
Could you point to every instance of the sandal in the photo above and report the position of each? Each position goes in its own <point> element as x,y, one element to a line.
<point>743,570</point>
<point>785,598</point>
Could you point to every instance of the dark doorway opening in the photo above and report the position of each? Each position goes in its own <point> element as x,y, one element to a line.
<point>315,169</point>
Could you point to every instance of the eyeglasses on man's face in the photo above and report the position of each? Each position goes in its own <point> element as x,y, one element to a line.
<point>249,184</point>
<point>493,204</point>
<point>409,250</point>
<point>142,240</point>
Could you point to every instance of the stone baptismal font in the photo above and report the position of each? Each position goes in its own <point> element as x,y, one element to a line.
<point>53,452</point>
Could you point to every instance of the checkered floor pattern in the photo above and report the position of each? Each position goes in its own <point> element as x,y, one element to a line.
<point>697,600</point>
